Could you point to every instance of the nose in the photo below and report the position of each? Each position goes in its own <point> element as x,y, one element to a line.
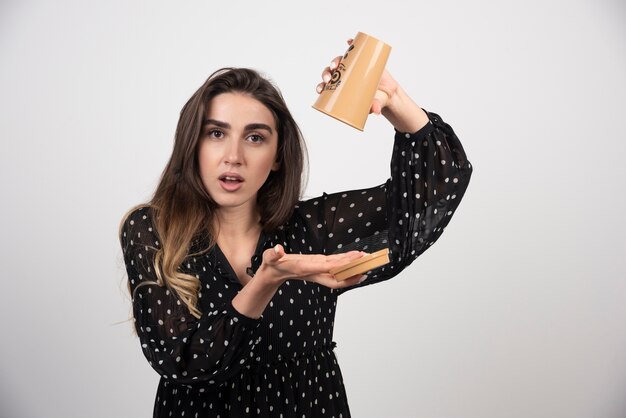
<point>232,155</point>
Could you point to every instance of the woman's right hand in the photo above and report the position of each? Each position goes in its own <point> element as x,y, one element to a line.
<point>278,266</point>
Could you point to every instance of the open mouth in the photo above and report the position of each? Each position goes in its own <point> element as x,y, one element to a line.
<point>231,179</point>
<point>230,182</point>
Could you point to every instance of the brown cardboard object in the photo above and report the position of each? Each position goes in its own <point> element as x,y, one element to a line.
<point>349,93</point>
<point>362,265</point>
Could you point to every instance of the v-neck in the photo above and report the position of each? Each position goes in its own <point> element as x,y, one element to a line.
<point>225,269</point>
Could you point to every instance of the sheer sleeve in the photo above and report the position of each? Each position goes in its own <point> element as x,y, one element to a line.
<point>177,345</point>
<point>408,213</point>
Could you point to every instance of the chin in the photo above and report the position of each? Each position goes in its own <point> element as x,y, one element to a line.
<point>230,201</point>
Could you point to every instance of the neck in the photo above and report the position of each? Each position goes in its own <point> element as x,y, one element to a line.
<point>236,223</point>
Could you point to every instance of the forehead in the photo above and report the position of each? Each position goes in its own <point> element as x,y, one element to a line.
<point>239,109</point>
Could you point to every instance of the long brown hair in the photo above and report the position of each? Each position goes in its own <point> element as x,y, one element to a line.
<point>182,209</point>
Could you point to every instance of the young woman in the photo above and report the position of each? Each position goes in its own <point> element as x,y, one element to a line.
<point>229,272</point>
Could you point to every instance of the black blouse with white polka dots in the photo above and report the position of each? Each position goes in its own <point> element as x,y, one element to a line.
<point>283,365</point>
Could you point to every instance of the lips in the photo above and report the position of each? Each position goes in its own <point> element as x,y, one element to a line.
<point>231,178</point>
<point>230,181</point>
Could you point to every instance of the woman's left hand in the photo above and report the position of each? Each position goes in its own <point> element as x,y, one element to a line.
<point>387,86</point>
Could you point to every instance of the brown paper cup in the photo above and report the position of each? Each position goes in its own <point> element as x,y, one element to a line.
<point>348,95</point>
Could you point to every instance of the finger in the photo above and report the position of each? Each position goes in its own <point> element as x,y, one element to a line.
<point>334,63</point>
<point>351,281</point>
<point>380,100</point>
<point>329,281</point>
<point>302,265</point>
<point>320,87</point>
<point>319,259</point>
<point>359,278</point>
<point>339,260</point>
<point>345,257</point>
<point>350,41</point>
<point>279,250</point>
<point>272,255</point>
<point>327,74</point>
<point>376,107</point>
<point>351,253</point>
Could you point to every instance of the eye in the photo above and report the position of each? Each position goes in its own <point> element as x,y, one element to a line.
<point>255,138</point>
<point>215,133</point>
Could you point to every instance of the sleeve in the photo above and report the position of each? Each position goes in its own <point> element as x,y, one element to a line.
<point>408,213</point>
<point>179,346</point>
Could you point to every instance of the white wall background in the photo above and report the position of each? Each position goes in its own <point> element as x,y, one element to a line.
<point>518,311</point>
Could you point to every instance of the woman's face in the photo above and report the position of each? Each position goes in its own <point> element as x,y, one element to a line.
<point>237,149</point>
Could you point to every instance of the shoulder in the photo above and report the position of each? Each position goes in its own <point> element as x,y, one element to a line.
<point>309,209</point>
<point>303,212</point>
<point>137,217</point>
<point>309,204</point>
<point>137,226</point>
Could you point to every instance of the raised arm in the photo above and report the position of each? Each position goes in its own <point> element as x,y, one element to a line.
<point>429,175</point>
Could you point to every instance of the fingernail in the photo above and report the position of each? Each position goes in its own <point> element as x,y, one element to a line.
<point>332,65</point>
<point>276,249</point>
<point>326,78</point>
<point>319,89</point>
<point>362,279</point>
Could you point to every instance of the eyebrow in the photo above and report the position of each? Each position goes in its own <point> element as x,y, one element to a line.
<point>248,127</point>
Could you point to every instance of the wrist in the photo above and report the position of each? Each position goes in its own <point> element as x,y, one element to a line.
<point>394,103</point>
<point>253,298</point>
<point>268,277</point>
<point>403,113</point>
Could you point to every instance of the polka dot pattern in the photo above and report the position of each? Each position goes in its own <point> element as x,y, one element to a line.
<point>283,364</point>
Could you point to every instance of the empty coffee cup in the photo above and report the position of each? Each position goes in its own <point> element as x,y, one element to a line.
<point>349,93</point>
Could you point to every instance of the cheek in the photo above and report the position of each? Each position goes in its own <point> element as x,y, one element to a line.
<point>206,168</point>
<point>270,163</point>
<point>204,159</point>
<point>275,165</point>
